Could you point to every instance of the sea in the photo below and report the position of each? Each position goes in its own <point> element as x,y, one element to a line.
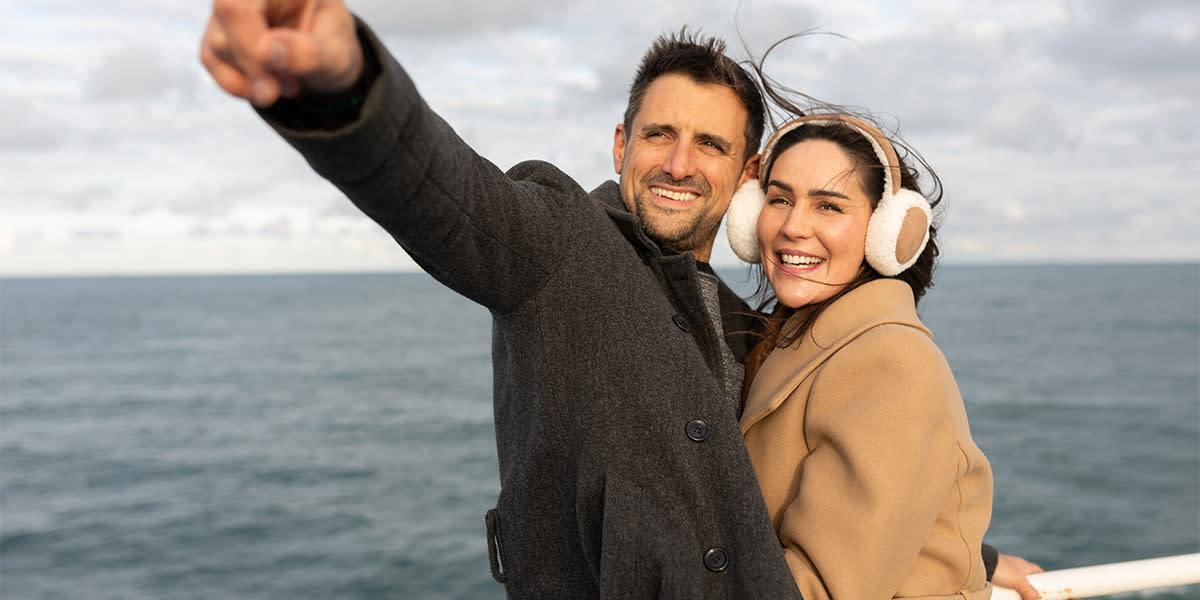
<point>330,436</point>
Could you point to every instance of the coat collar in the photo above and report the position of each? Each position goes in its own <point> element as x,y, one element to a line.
<point>874,303</point>
<point>608,195</point>
<point>739,326</point>
<point>674,266</point>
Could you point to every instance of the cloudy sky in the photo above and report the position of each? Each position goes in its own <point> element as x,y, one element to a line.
<point>1063,130</point>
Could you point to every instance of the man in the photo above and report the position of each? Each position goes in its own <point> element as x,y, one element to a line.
<point>622,470</point>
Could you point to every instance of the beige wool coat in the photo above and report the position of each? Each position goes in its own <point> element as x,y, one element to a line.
<point>860,442</point>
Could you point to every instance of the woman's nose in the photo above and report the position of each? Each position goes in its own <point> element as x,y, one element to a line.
<point>797,224</point>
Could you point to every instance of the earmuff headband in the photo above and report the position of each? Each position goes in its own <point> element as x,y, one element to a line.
<point>899,226</point>
<point>884,150</point>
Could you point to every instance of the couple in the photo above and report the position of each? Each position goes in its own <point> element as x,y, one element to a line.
<point>627,461</point>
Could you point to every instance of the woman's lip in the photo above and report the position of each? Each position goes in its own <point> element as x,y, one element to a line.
<point>792,252</point>
<point>801,268</point>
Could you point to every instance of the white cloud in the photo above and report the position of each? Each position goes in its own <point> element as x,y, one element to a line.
<point>134,72</point>
<point>456,18</point>
<point>25,127</point>
<point>1059,127</point>
<point>1014,212</point>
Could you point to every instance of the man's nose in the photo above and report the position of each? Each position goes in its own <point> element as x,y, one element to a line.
<point>679,163</point>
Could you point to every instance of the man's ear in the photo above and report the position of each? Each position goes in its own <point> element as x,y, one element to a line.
<point>619,147</point>
<point>750,169</point>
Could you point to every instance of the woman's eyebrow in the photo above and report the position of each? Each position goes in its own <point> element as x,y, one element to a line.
<point>781,185</point>
<point>816,192</point>
<point>813,192</point>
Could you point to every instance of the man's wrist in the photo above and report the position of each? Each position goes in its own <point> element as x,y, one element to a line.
<point>312,110</point>
<point>346,102</point>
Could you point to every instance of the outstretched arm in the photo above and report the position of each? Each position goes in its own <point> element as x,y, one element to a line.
<point>262,50</point>
<point>491,236</point>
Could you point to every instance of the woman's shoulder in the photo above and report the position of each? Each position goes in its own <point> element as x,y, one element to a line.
<point>876,331</point>
<point>874,304</point>
<point>872,330</point>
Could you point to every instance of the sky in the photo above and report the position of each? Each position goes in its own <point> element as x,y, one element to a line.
<point>1062,130</point>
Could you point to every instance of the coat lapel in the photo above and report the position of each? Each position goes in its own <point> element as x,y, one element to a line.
<point>874,303</point>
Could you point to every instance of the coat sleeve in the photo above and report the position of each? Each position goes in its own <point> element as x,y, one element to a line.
<point>882,459</point>
<point>491,236</point>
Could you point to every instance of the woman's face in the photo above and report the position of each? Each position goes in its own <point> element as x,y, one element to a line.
<point>813,230</point>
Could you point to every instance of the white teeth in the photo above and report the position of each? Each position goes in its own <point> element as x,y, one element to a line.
<point>792,259</point>
<point>679,196</point>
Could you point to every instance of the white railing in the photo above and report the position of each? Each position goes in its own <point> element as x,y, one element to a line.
<point>1113,578</point>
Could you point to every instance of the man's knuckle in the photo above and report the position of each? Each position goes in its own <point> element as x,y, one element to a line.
<point>225,8</point>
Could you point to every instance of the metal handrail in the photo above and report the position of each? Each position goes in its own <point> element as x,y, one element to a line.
<point>1112,578</point>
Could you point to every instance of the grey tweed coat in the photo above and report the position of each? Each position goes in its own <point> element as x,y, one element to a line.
<point>622,468</point>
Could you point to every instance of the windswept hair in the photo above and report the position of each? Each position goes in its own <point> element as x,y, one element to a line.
<point>703,60</point>
<point>786,104</point>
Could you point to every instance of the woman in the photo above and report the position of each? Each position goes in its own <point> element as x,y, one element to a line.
<point>852,417</point>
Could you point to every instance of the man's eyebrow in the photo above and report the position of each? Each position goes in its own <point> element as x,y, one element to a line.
<point>720,141</point>
<point>668,128</point>
<point>649,127</point>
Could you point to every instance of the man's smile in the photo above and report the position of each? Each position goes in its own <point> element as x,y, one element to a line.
<point>683,197</point>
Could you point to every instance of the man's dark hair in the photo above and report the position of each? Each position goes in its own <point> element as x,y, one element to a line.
<point>702,60</point>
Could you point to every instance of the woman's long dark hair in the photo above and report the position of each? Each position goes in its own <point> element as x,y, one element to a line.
<point>783,107</point>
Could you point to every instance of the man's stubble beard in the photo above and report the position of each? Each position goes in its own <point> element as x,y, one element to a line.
<point>668,231</point>
<point>672,234</point>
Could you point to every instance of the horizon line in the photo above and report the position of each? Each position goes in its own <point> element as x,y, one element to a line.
<point>413,270</point>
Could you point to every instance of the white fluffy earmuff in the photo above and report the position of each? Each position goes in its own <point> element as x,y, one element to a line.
<point>741,220</point>
<point>897,231</point>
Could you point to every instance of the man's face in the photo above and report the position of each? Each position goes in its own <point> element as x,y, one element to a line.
<point>682,161</point>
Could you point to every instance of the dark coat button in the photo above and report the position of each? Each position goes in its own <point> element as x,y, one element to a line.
<point>697,430</point>
<point>716,559</point>
<point>682,323</point>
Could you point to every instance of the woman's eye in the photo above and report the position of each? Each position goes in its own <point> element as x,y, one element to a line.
<point>829,206</point>
<point>779,200</point>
